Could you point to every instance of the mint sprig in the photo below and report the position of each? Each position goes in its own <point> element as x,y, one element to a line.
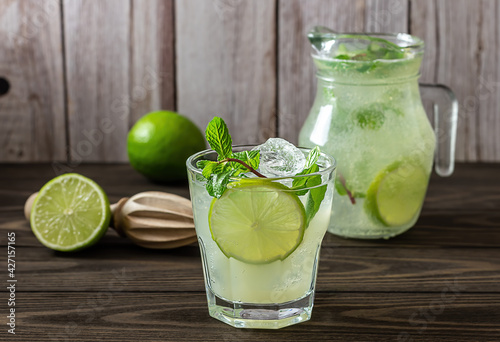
<point>315,197</point>
<point>217,183</point>
<point>218,173</point>
<point>310,167</point>
<point>230,164</point>
<point>310,184</point>
<point>343,189</point>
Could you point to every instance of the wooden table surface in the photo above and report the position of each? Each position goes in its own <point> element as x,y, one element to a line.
<point>438,282</point>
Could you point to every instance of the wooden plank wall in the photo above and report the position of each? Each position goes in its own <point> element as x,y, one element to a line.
<point>82,72</point>
<point>226,65</point>
<point>119,66</point>
<point>463,50</point>
<point>32,115</point>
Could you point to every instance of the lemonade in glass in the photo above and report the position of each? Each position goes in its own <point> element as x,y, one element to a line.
<point>260,239</point>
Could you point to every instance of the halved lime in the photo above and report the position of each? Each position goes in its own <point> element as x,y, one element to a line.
<point>396,194</point>
<point>257,222</point>
<point>71,212</point>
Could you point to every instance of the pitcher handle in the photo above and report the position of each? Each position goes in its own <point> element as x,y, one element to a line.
<point>442,109</point>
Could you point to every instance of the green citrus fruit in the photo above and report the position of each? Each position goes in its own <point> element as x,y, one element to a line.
<point>257,222</point>
<point>159,144</point>
<point>396,194</point>
<point>71,212</point>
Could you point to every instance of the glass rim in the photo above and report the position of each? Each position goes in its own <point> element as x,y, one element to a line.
<point>325,171</point>
<point>404,41</point>
<point>413,42</point>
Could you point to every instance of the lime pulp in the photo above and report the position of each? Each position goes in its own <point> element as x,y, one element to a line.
<point>257,222</point>
<point>71,212</point>
<point>396,194</point>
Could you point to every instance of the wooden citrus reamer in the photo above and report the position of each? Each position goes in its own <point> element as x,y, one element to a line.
<point>151,219</point>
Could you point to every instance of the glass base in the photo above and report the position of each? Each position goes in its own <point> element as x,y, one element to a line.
<point>260,316</point>
<point>367,234</point>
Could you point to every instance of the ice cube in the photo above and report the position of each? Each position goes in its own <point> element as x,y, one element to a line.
<point>279,158</point>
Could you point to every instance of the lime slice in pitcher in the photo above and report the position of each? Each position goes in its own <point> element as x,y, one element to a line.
<point>257,222</point>
<point>71,212</point>
<point>396,194</point>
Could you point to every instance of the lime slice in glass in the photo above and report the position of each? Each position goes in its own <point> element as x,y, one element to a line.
<point>257,222</point>
<point>396,194</point>
<point>71,212</point>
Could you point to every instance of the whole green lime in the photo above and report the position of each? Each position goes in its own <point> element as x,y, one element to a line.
<point>159,144</point>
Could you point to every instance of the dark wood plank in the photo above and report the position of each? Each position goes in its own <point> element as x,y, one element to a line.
<point>442,288</point>
<point>117,316</point>
<point>18,182</point>
<point>460,211</point>
<point>433,229</point>
<point>438,229</point>
<point>32,111</point>
<point>408,270</point>
<point>340,269</point>
<point>14,221</point>
<point>473,187</point>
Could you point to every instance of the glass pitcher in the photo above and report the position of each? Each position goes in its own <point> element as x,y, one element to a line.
<point>369,115</point>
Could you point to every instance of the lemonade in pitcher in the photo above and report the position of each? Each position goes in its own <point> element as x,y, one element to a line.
<point>368,114</point>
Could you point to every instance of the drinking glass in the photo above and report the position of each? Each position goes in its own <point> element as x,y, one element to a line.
<point>260,243</point>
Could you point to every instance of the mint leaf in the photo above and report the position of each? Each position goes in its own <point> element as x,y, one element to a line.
<point>316,196</point>
<point>310,184</point>
<point>371,117</point>
<point>218,137</point>
<point>217,183</point>
<point>209,169</point>
<point>312,157</point>
<point>248,157</point>
<point>252,158</point>
<point>310,167</point>
<point>341,190</point>
<point>302,182</point>
<point>302,192</point>
<point>200,164</point>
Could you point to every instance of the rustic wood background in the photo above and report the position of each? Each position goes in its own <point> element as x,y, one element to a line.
<point>81,72</point>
